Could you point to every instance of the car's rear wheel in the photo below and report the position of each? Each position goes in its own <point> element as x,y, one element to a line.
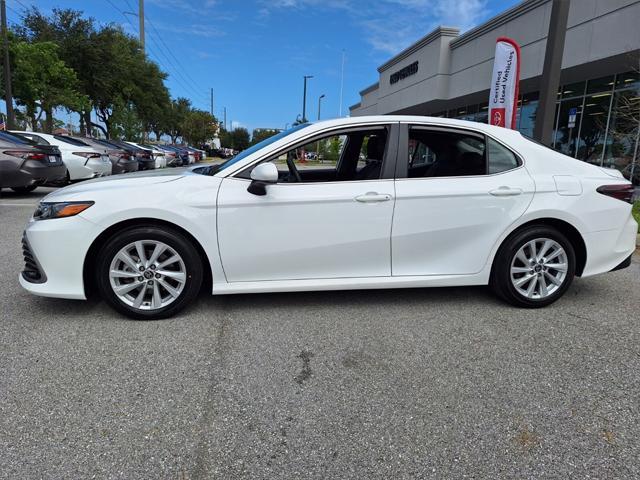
<point>534,267</point>
<point>149,273</point>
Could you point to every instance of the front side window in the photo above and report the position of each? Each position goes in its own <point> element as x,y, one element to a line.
<point>343,156</point>
<point>443,153</point>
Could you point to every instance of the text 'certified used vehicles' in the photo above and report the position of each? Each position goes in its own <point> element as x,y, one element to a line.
<point>391,201</point>
<point>25,165</point>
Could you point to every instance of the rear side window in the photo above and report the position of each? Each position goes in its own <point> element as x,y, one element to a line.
<point>443,153</point>
<point>15,138</point>
<point>71,141</point>
<point>501,158</point>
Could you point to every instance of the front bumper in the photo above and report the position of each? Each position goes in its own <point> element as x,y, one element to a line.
<point>30,172</point>
<point>58,248</point>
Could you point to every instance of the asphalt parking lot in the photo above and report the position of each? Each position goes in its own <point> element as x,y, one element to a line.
<point>439,383</point>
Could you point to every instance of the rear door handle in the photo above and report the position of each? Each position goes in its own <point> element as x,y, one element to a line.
<point>373,197</point>
<point>506,192</point>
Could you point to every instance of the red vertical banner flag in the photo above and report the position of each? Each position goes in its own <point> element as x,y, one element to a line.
<point>503,96</point>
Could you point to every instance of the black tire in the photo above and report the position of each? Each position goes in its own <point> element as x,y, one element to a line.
<point>182,246</point>
<point>501,282</point>
<point>27,189</point>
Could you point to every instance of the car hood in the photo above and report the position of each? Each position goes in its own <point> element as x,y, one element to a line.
<point>117,182</point>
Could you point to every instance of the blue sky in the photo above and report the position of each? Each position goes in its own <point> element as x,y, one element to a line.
<point>254,53</point>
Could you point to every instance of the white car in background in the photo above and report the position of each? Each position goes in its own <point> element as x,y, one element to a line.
<point>398,201</point>
<point>158,154</point>
<point>82,162</point>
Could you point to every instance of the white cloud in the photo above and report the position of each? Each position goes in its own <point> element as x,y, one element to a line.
<point>391,25</point>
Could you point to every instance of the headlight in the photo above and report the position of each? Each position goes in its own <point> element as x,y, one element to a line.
<point>47,210</point>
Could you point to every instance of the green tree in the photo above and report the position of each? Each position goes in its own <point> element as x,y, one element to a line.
<point>175,116</point>
<point>198,127</point>
<point>42,82</point>
<point>260,134</point>
<point>239,138</point>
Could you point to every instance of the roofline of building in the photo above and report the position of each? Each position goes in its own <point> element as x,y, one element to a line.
<point>495,22</point>
<point>428,38</point>
<point>370,88</point>
<point>354,106</point>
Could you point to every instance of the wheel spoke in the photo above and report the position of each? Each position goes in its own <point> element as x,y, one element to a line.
<point>126,288</point>
<point>520,269</point>
<point>545,247</point>
<point>543,286</point>
<point>553,279</point>
<point>157,251</point>
<point>172,291</point>
<point>169,261</point>
<point>560,267</point>
<point>156,301</point>
<point>532,286</point>
<point>557,252</point>
<point>179,276</point>
<point>522,257</point>
<point>138,301</point>
<point>140,251</point>
<point>123,274</point>
<point>126,258</point>
<point>532,249</point>
<point>522,281</point>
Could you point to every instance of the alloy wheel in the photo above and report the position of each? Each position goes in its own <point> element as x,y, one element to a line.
<point>539,268</point>
<point>147,274</point>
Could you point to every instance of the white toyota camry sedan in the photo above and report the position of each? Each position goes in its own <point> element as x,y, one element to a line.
<point>365,202</point>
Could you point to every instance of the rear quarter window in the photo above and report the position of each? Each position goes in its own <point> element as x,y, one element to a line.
<point>501,158</point>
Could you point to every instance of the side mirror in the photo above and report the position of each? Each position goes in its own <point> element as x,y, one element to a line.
<point>261,176</point>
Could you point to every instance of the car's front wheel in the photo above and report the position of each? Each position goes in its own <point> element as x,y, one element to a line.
<point>534,267</point>
<point>22,190</point>
<point>148,273</point>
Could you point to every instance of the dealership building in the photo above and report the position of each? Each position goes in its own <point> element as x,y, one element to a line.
<point>446,74</point>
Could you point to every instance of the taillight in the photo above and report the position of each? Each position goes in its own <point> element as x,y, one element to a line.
<point>26,154</point>
<point>88,154</point>
<point>620,192</point>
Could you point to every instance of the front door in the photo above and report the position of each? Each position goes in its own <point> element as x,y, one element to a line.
<point>329,215</point>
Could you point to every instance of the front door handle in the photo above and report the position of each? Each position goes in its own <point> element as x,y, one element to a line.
<point>373,197</point>
<point>506,192</point>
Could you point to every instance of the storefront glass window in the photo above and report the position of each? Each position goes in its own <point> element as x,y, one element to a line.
<point>623,129</point>
<point>602,84</point>
<point>594,125</point>
<point>527,114</point>
<point>566,134</point>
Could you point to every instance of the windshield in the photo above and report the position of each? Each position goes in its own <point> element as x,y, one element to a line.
<point>213,169</point>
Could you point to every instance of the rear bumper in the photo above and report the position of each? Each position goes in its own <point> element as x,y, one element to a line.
<point>149,164</point>
<point>608,250</point>
<point>125,166</point>
<point>93,168</point>
<point>30,172</point>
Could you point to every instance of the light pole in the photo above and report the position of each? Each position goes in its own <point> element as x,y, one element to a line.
<point>320,104</point>
<point>304,99</point>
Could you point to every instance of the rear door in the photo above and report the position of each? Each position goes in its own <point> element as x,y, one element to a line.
<point>457,191</point>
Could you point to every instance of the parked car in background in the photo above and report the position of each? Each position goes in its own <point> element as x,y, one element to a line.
<point>121,160</point>
<point>158,154</point>
<point>200,154</point>
<point>172,155</point>
<point>191,156</point>
<point>25,165</point>
<point>142,155</point>
<point>82,162</point>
